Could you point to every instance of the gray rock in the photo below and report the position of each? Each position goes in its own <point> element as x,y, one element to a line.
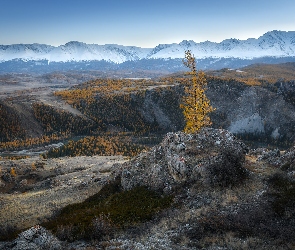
<point>36,237</point>
<point>271,156</point>
<point>23,182</point>
<point>2,184</point>
<point>180,158</point>
<point>7,177</point>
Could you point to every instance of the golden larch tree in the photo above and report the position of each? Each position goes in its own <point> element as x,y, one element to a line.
<point>195,104</point>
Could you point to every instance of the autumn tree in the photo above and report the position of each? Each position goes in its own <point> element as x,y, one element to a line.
<point>195,104</point>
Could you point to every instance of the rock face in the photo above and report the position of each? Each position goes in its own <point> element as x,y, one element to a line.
<point>35,238</point>
<point>162,107</point>
<point>184,158</point>
<point>254,112</point>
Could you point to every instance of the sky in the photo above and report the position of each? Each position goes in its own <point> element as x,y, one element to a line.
<point>142,23</point>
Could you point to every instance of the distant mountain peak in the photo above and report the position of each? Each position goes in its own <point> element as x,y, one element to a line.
<point>273,43</point>
<point>187,43</point>
<point>74,43</point>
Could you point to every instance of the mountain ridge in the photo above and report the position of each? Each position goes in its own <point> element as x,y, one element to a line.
<point>271,44</point>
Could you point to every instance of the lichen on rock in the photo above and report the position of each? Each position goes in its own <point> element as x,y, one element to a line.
<point>36,237</point>
<point>182,158</point>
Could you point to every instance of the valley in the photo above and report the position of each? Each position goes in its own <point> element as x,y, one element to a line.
<point>57,108</point>
<point>70,139</point>
<point>147,125</point>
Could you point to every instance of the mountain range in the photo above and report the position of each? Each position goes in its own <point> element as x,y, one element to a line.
<point>273,46</point>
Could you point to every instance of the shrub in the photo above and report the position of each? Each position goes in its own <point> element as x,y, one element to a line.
<point>8,232</point>
<point>101,226</point>
<point>227,168</point>
<point>282,191</point>
<point>110,208</point>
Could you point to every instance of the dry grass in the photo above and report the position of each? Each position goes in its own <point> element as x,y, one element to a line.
<point>70,185</point>
<point>253,74</point>
<point>259,167</point>
<point>229,197</point>
<point>27,209</point>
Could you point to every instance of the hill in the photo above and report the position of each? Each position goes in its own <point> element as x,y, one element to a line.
<point>259,73</point>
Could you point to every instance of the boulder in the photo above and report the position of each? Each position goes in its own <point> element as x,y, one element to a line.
<point>36,237</point>
<point>2,184</point>
<point>183,158</point>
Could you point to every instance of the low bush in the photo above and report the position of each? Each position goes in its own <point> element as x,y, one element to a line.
<point>8,232</point>
<point>110,208</point>
<point>227,169</point>
<point>282,191</point>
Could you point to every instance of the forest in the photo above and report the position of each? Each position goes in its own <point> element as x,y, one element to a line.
<point>97,145</point>
<point>10,125</point>
<point>132,107</point>
<point>108,106</point>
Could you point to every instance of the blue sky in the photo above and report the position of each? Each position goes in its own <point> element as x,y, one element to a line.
<point>140,23</point>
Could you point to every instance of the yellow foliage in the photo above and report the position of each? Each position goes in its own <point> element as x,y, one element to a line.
<point>98,145</point>
<point>34,166</point>
<point>196,106</point>
<point>12,172</point>
<point>251,82</point>
<point>16,144</point>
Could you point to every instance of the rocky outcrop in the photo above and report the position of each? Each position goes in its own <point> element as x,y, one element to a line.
<point>254,112</point>
<point>283,160</point>
<point>36,238</point>
<point>184,158</point>
<point>265,113</point>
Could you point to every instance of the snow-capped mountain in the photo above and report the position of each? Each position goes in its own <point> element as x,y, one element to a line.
<point>72,51</point>
<point>274,43</point>
<point>272,47</point>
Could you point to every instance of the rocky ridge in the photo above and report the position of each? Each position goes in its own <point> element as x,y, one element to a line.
<point>35,238</point>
